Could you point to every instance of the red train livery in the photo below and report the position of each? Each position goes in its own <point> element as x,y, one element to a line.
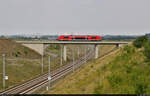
<point>80,37</point>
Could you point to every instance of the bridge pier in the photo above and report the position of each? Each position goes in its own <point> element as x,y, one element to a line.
<point>96,51</point>
<point>64,52</point>
<point>78,52</point>
<point>117,45</point>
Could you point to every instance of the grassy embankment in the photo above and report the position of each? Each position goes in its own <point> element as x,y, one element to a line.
<point>124,71</point>
<point>21,62</point>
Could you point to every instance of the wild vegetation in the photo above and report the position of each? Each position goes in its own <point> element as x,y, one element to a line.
<point>125,71</point>
<point>147,50</point>
<point>126,74</point>
<point>143,42</point>
<point>139,42</point>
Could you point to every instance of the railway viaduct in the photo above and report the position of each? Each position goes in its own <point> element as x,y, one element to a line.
<point>39,46</point>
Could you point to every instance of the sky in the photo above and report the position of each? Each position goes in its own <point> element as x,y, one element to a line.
<point>52,17</point>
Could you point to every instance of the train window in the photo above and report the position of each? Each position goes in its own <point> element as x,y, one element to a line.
<point>93,37</point>
<point>79,37</point>
<point>66,37</point>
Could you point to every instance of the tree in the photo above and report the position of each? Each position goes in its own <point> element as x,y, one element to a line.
<point>147,50</point>
<point>140,41</point>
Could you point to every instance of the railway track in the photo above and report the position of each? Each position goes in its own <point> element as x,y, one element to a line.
<point>42,80</point>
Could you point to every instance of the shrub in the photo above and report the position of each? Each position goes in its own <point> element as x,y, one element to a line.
<point>97,89</point>
<point>57,46</point>
<point>140,87</point>
<point>128,68</point>
<point>91,66</point>
<point>25,52</point>
<point>18,52</point>
<point>103,67</point>
<point>139,42</point>
<point>114,79</point>
<point>147,50</point>
<point>16,55</point>
<point>128,49</point>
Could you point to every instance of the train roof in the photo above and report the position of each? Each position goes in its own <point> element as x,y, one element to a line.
<point>79,35</point>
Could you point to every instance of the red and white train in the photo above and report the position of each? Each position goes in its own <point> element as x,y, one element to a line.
<point>80,37</point>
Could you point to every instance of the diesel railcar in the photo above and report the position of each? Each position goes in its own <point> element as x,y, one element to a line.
<point>79,37</point>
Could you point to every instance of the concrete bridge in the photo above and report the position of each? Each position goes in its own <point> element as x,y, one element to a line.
<point>39,46</point>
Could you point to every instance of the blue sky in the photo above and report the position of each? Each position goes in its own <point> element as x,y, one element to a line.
<point>100,17</point>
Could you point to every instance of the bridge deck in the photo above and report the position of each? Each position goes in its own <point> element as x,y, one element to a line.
<point>73,42</point>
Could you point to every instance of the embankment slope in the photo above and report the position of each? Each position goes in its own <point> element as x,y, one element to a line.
<point>13,49</point>
<point>124,71</point>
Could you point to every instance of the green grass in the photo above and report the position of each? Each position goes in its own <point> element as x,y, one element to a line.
<point>19,71</point>
<point>129,74</point>
<point>122,72</point>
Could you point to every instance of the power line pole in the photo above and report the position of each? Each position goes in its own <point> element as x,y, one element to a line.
<point>85,54</point>
<point>49,77</point>
<point>61,55</point>
<point>3,70</point>
<point>42,63</point>
<point>73,58</point>
<point>78,52</point>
